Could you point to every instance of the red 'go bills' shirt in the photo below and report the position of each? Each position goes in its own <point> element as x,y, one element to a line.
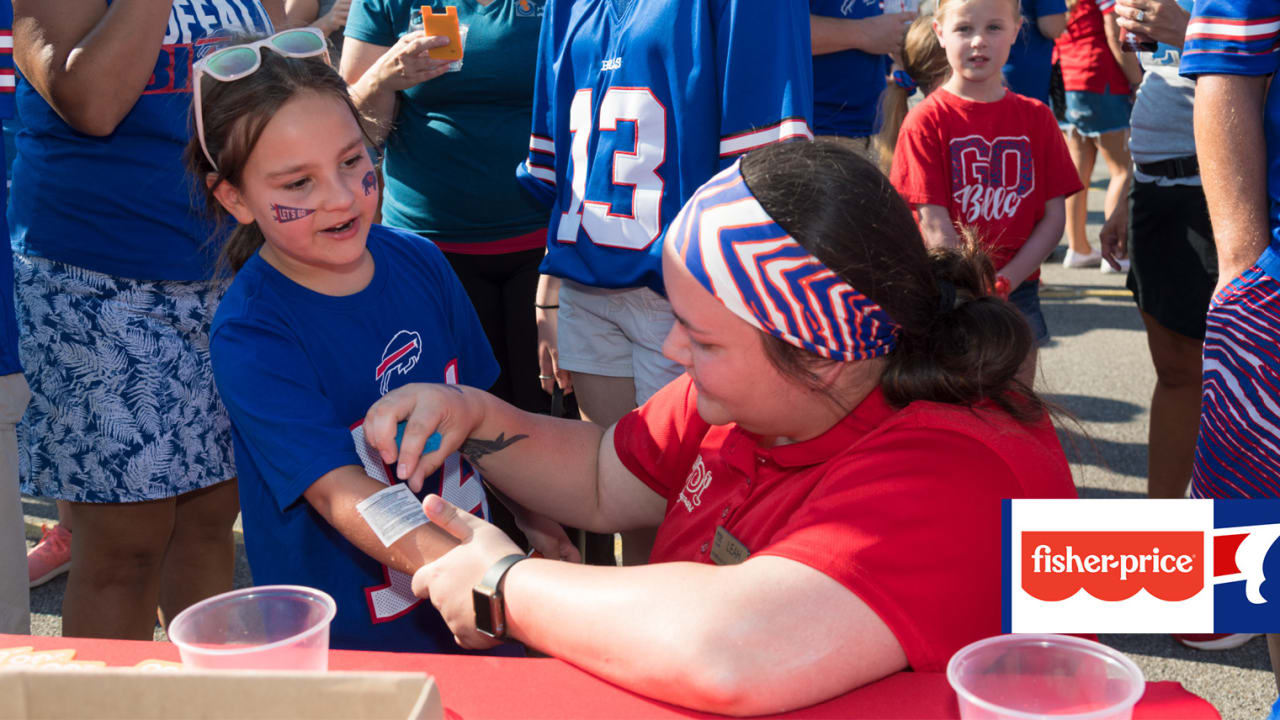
<point>914,533</point>
<point>992,165</point>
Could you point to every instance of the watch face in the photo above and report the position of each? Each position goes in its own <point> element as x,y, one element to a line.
<point>484,605</point>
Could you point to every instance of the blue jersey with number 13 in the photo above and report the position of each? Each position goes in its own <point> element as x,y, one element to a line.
<point>636,104</point>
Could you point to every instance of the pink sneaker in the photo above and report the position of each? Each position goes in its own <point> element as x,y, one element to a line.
<point>1214,641</point>
<point>50,557</point>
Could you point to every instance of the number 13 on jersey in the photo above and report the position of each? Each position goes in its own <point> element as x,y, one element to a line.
<point>630,170</point>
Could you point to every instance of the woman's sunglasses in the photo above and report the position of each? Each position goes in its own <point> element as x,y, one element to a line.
<point>232,63</point>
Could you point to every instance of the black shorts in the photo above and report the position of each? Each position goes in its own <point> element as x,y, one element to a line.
<point>1174,263</point>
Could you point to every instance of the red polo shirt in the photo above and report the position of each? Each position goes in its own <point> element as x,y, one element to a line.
<point>900,506</point>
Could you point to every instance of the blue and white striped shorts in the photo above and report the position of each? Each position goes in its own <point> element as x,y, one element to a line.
<point>1238,451</point>
<point>123,405</point>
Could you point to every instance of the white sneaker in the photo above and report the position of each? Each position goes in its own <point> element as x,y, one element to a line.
<point>1074,259</point>
<point>1108,270</point>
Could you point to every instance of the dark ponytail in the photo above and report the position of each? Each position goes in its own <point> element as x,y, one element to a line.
<point>958,343</point>
<point>235,114</point>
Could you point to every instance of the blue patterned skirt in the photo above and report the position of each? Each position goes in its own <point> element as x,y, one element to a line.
<point>123,405</point>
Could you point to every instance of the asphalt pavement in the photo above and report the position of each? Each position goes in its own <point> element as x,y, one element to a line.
<point>1099,369</point>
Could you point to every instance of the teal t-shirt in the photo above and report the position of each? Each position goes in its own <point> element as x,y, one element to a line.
<point>448,162</point>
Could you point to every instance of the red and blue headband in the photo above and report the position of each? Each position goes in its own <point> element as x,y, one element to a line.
<point>762,275</point>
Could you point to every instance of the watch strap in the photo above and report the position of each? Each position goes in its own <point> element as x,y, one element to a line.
<point>490,590</point>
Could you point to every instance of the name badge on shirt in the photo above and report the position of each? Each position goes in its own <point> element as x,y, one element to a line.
<point>727,549</point>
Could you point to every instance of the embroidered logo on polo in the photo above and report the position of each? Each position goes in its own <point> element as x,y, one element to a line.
<point>1181,566</point>
<point>400,356</point>
<point>989,178</point>
<point>698,480</point>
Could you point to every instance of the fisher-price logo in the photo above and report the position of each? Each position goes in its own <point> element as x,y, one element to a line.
<point>1142,566</point>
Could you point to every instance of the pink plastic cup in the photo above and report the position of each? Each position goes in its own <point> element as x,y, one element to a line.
<point>1019,677</point>
<point>273,627</point>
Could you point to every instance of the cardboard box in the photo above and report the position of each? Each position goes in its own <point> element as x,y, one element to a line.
<point>120,693</point>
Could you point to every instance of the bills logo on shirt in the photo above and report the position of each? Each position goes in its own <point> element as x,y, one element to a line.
<point>989,178</point>
<point>187,38</point>
<point>1186,566</point>
<point>400,356</point>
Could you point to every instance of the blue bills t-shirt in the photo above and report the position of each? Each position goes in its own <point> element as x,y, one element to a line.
<point>9,362</point>
<point>847,85</point>
<point>636,104</point>
<point>123,204</point>
<point>1031,56</point>
<point>297,371</point>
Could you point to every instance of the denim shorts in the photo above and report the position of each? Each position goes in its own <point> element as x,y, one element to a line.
<point>1091,114</point>
<point>1027,299</point>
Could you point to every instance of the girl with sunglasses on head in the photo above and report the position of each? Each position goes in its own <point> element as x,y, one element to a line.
<point>327,312</point>
<point>826,475</point>
<point>114,299</point>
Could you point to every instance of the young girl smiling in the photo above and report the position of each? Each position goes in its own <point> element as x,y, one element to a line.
<point>327,312</point>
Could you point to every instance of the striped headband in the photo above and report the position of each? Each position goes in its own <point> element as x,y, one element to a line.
<point>762,275</point>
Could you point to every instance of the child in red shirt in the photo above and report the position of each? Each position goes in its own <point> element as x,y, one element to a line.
<point>974,154</point>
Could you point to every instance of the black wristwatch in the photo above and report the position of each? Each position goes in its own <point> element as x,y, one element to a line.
<point>491,613</point>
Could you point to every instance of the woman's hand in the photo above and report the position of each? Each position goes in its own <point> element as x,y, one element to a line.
<point>1161,20</point>
<point>407,64</point>
<point>547,536</point>
<point>549,372</point>
<point>1114,239</point>
<point>451,410</point>
<point>447,582</point>
<point>336,19</point>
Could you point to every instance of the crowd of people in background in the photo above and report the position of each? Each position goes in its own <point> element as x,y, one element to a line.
<point>272,257</point>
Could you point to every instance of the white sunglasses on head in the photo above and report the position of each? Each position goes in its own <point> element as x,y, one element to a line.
<point>234,62</point>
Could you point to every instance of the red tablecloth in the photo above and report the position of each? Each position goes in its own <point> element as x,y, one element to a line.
<point>480,687</point>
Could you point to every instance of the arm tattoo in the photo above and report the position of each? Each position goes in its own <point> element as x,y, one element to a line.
<point>475,449</point>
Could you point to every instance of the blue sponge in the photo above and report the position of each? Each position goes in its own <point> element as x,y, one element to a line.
<point>433,442</point>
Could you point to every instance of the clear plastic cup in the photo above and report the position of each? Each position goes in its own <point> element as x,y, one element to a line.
<point>273,627</point>
<point>456,65</point>
<point>1018,677</point>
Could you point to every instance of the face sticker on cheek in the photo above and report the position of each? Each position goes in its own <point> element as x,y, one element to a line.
<point>284,213</point>
<point>370,182</point>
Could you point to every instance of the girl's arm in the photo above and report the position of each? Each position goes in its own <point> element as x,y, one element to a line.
<point>1043,239</point>
<point>1127,61</point>
<point>565,469</point>
<point>90,62</point>
<point>685,633</point>
<point>936,226</point>
<point>1051,26</point>
<point>335,496</point>
<point>376,73</point>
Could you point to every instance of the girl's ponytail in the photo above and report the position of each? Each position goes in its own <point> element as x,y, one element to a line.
<point>924,66</point>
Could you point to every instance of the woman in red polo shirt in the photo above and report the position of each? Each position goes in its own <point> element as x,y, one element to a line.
<point>826,476</point>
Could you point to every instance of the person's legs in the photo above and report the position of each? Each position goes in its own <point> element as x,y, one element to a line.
<point>1114,148</point>
<point>1175,410</point>
<point>519,288</point>
<point>1083,153</point>
<point>117,553</point>
<point>200,560</point>
<point>15,607</point>
<point>604,400</point>
<point>486,297</point>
